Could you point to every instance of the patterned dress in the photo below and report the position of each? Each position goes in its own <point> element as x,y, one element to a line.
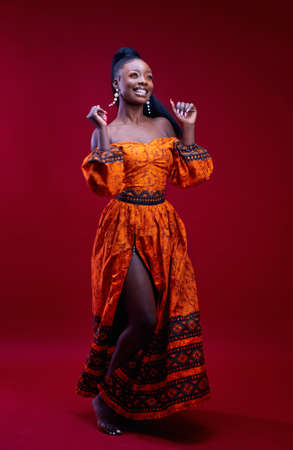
<point>169,374</point>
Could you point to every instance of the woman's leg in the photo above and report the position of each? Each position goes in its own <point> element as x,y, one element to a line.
<point>139,302</point>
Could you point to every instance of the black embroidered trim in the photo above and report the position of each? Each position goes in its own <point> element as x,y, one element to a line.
<point>178,328</point>
<point>143,197</point>
<point>177,391</point>
<point>107,156</point>
<point>191,152</point>
<point>179,358</point>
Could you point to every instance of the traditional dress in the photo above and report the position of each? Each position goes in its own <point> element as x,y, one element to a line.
<point>169,374</point>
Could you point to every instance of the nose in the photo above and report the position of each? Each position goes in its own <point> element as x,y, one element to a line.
<point>142,80</point>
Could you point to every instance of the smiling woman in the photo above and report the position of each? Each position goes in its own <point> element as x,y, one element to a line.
<point>146,358</point>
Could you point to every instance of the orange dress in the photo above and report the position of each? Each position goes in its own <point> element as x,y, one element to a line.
<point>169,374</point>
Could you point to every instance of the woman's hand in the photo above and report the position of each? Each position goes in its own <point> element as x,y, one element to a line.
<point>98,116</point>
<point>185,112</point>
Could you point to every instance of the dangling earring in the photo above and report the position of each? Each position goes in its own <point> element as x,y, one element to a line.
<point>116,95</point>
<point>148,103</point>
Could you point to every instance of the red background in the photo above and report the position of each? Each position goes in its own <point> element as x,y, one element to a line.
<point>233,61</point>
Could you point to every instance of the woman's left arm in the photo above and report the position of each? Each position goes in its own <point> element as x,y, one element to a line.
<point>192,164</point>
<point>186,113</point>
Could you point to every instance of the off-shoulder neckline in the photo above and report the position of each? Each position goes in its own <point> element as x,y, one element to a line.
<point>142,143</point>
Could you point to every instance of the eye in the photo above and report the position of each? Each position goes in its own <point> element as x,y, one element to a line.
<point>133,75</point>
<point>150,77</point>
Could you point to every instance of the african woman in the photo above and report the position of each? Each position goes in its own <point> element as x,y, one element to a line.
<point>146,358</point>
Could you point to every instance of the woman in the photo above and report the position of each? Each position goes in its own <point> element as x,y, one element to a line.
<point>146,358</point>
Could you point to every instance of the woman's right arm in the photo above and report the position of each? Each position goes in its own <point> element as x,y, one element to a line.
<point>100,137</point>
<point>103,168</point>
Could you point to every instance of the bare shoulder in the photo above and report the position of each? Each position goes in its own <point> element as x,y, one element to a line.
<point>165,126</point>
<point>111,128</point>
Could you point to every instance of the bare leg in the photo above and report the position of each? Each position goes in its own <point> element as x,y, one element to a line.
<point>139,301</point>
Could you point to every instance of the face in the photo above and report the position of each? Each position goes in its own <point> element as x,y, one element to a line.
<point>134,81</point>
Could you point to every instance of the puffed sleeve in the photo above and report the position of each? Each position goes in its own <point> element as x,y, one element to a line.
<point>104,170</point>
<point>191,164</point>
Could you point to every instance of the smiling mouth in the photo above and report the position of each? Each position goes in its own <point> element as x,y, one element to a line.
<point>140,92</point>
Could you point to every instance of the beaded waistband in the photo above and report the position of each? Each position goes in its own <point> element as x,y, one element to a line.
<point>143,197</point>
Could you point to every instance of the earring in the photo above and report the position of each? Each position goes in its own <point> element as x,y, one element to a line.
<point>116,95</point>
<point>148,103</point>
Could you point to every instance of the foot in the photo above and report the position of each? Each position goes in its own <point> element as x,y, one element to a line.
<point>107,419</point>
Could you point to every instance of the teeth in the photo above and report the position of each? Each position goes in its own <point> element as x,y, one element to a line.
<point>140,91</point>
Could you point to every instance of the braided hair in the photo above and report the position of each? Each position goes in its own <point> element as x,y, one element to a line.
<point>125,54</point>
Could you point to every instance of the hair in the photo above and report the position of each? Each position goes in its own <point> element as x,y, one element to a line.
<point>125,54</point>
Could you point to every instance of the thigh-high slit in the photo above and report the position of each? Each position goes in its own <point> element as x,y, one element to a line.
<point>138,306</point>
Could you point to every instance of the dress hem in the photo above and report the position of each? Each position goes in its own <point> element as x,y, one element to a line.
<point>190,404</point>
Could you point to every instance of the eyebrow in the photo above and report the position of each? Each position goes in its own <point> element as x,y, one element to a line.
<point>137,70</point>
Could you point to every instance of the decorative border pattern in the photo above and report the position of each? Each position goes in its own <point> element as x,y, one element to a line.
<point>191,152</point>
<point>107,156</point>
<point>148,369</point>
<point>155,371</point>
<point>180,327</point>
<point>141,197</point>
<point>142,403</point>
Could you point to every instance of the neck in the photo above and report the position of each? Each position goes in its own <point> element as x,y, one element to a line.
<point>128,113</point>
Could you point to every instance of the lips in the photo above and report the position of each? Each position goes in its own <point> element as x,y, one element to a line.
<point>141,92</point>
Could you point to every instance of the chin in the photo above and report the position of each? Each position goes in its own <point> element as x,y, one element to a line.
<point>137,101</point>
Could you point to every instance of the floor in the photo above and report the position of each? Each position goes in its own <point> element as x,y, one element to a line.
<point>250,407</point>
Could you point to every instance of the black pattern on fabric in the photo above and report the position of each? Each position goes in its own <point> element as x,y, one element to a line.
<point>179,327</point>
<point>177,391</point>
<point>191,152</point>
<point>173,360</point>
<point>107,156</point>
<point>142,197</point>
<point>180,358</point>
